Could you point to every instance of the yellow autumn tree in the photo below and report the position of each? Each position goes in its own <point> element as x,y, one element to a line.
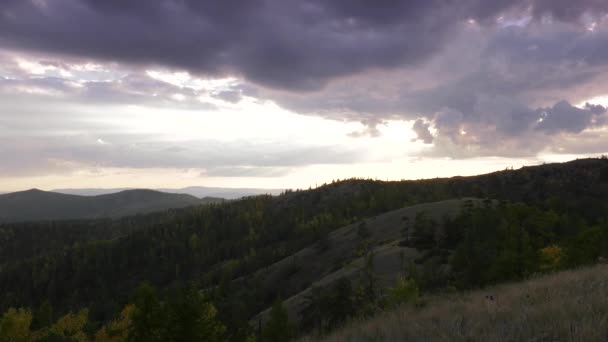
<point>15,325</point>
<point>118,329</point>
<point>551,257</point>
<point>72,326</point>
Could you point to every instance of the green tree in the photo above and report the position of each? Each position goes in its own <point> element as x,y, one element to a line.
<point>405,291</point>
<point>278,328</point>
<point>191,318</point>
<point>424,231</point>
<point>370,279</point>
<point>341,303</point>
<point>405,231</point>
<point>312,316</point>
<point>149,318</point>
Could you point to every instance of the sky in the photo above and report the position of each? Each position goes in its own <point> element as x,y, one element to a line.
<point>295,93</point>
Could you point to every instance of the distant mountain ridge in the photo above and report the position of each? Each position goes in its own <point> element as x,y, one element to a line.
<point>36,205</point>
<point>196,191</point>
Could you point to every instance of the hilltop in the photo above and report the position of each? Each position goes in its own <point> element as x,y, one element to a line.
<point>37,205</point>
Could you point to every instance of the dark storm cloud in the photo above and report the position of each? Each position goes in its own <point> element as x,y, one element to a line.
<point>499,128</point>
<point>536,65</point>
<point>568,10</point>
<point>563,117</point>
<point>595,109</point>
<point>285,44</point>
<point>511,89</point>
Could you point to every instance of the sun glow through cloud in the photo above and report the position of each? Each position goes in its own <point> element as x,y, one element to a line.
<point>489,86</point>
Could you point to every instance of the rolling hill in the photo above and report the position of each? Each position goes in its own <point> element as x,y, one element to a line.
<point>304,247</point>
<point>196,191</point>
<point>37,205</point>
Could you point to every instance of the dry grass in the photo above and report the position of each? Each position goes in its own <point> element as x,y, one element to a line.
<point>567,306</point>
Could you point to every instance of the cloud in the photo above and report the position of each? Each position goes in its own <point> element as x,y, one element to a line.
<point>232,96</point>
<point>243,171</point>
<point>497,128</point>
<point>568,10</point>
<point>46,136</point>
<point>370,129</point>
<point>563,117</point>
<point>99,85</point>
<point>591,143</point>
<point>422,131</point>
<point>503,91</point>
<point>63,155</point>
<point>485,77</point>
<point>68,131</point>
<point>276,43</point>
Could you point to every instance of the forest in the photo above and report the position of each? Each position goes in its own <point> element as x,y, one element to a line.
<point>201,273</point>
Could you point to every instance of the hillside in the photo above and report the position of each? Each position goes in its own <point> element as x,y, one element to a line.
<point>565,306</point>
<point>37,205</point>
<point>344,252</point>
<point>342,245</point>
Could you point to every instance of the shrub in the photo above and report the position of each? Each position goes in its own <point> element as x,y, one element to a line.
<point>405,291</point>
<point>551,257</point>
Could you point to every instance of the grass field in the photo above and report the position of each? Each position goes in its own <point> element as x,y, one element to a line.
<point>566,306</point>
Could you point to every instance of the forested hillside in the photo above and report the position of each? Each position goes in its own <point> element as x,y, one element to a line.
<point>224,256</point>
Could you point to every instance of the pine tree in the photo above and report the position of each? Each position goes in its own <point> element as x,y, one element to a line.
<point>148,322</point>
<point>278,328</point>
<point>191,318</point>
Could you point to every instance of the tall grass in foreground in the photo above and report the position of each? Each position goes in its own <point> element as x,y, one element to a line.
<point>566,306</point>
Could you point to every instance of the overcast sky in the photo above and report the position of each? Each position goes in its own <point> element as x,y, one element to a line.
<point>293,93</point>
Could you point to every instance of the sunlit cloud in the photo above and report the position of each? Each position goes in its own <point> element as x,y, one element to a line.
<point>418,89</point>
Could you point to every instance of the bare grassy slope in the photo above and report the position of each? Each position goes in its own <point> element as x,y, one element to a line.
<point>295,275</point>
<point>566,306</point>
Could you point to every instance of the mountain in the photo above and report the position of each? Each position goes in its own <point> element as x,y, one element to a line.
<point>90,191</point>
<point>196,191</point>
<point>36,205</point>
<point>227,193</point>
<point>347,250</point>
